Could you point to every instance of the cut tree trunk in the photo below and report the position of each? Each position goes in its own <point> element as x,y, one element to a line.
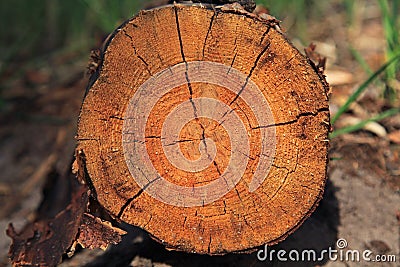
<point>207,128</point>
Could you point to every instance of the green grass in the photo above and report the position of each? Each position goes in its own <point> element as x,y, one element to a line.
<point>349,6</point>
<point>391,25</point>
<point>353,97</point>
<point>360,125</point>
<point>390,11</point>
<point>361,61</point>
<point>36,27</point>
<point>34,30</point>
<point>386,73</point>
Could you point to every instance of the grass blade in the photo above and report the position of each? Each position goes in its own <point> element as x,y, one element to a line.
<point>360,125</point>
<point>358,57</point>
<point>362,88</point>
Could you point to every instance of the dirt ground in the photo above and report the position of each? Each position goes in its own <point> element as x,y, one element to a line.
<point>362,199</point>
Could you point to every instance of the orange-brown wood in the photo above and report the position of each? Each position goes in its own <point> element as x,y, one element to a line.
<point>206,128</point>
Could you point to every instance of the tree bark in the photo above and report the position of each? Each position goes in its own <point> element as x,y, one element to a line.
<point>207,128</point>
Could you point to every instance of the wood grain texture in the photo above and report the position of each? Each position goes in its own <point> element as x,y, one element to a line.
<point>190,80</point>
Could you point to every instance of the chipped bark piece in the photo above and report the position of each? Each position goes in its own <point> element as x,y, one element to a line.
<point>206,128</point>
<point>316,59</point>
<point>96,233</point>
<point>43,242</point>
<point>94,62</point>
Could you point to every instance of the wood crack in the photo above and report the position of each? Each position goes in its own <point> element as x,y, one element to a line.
<point>208,31</point>
<point>251,71</point>
<point>209,245</point>
<point>234,50</point>
<point>216,166</point>
<point>286,176</point>
<point>254,65</point>
<point>301,115</point>
<point>181,141</point>
<point>136,53</point>
<point>188,81</point>
<point>233,60</point>
<point>129,201</point>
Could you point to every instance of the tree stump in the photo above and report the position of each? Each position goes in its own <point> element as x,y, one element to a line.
<point>205,127</point>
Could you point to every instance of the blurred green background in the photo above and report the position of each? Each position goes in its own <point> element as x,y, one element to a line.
<point>34,28</point>
<point>38,27</point>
